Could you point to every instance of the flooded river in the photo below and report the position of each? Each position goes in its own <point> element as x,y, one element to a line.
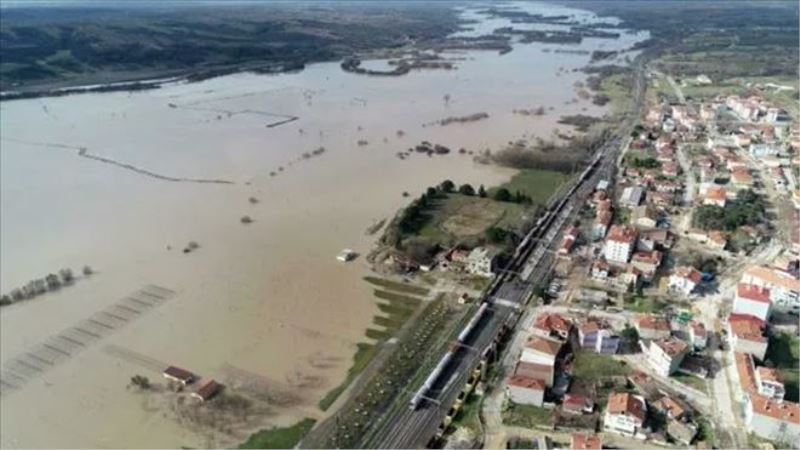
<point>114,181</point>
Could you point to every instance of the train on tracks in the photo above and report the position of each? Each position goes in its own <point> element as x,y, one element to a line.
<point>521,254</point>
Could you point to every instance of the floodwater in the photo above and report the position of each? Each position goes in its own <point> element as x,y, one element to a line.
<point>266,298</point>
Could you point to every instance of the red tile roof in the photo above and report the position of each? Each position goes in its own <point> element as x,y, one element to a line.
<point>745,326</point>
<point>671,347</point>
<point>627,404</point>
<point>653,322</point>
<point>547,346</point>
<point>553,322</point>
<point>621,233</point>
<point>526,382</point>
<point>586,441</point>
<point>752,292</point>
<point>787,411</point>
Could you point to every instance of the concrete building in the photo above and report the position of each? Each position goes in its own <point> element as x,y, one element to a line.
<point>647,263</point>
<point>525,391</point>
<point>752,300</point>
<point>765,416</point>
<point>620,242</point>
<point>666,355</point>
<point>632,196</point>
<point>481,261</point>
<point>624,414</point>
<point>652,327</point>
<point>768,382</point>
<point>541,350</point>
<point>598,337</point>
<point>685,280</point>
<point>784,287</point>
<point>748,335</point>
<point>669,407</point>
<point>552,326</point>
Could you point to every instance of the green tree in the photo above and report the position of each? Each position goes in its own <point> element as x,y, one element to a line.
<point>431,191</point>
<point>496,235</point>
<point>448,186</point>
<point>466,189</point>
<point>481,191</point>
<point>502,195</point>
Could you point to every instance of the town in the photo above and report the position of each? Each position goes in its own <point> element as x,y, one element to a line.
<point>671,317</point>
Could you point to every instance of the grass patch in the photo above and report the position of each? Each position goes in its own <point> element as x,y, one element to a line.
<point>691,381</point>
<point>378,335</point>
<point>537,184</point>
<point>286,437</point>
<point>643,304</point>
<point>397,299</point>
<point>364,354</point>
<point>397,286</point>
<point>591,366</point>
<point>527,416</point>
<point>467,416</point>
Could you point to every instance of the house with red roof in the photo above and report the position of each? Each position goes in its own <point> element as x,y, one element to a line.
<point>685,280</point>
<point>586,441</point>
<point>523,390</point>
<point>752,300</point>
<point>748,334</point>
<point>625,414</point>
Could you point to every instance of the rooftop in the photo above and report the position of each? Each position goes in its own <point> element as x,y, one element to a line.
<point>526,382</point>
<point>627,404</point>
<point>747,327</point>
<point>543,345</point>
<point>752,292</point>
<point>787,411</point>
<point>774,277</point>
<point>553,322</point>
<point>622,233</point>
<point>586,441</point>
<point>690,273</point>
<point>653,322</point>
<point>671,347</point>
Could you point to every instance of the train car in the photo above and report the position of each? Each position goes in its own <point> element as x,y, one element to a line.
<point>416,400</point>
<point>472,323</point>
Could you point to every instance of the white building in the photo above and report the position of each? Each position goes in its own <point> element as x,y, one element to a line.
<point>652,327</point>
<point>777,421</point>
<point>525,391</point>
<point>769,383</point>
<point>539,350</point>
<point>748,335</point>
<point>625,414</point>
<point>620,243</point>
<point>666,355</point>
<point>632,196</point>
<point>784,288</point>
<point>481,261</point>
<point>685,280</point>
<point>753,300</point>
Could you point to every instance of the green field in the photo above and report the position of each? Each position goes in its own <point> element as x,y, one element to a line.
<point>527,416</point>
<point>397,286</point>
<point>691,381</point>
<point>539,185</point>
<point>286,437</point>
<point>589,365</point>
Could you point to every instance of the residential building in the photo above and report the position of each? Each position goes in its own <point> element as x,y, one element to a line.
<point>207,390</point>
<point>600,270</point>
<point>552,326</point>
<point>541,350</point>
<point>577,404</point>
<point>715,195</point>
<point>748,335</point>
<point>481,261</point>
<point>685,280</point>
<point>681,432</point>
<point>625,414</point>
<point>178,375</point>
<point>765,416</point>
<point>762,150</point>
<point>752,300</point>
<point>586,441</point>
<point>644,216</point>
<point>544,372</point>
<point>523,390</point>
<point>666,355</point>
<point>568,241</point>
<point>669,407</point>
<point>768,382</point>
<point>784,287</point>
<point>778,421</point>
<point>620,242</point>
<point>647,262</point>
<point>597,336</point>
<point>601,223</point>
<point>652,327</point>
<point>698,335</point>
<point>632,196</point>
